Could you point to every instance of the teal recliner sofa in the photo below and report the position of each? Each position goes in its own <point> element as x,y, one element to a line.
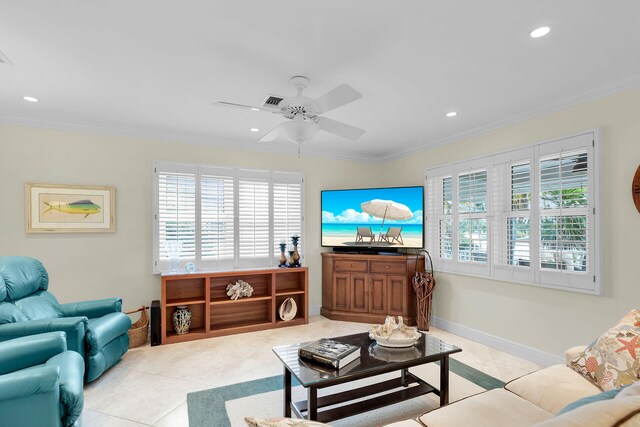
<point>97,330</point>
<point>40,382</point>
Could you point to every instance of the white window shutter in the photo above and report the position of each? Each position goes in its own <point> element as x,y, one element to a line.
<point>217,213</point>
<point>175,212</point>
<point>566,219</point>
<point>287,210</point>
<point>254,218</point>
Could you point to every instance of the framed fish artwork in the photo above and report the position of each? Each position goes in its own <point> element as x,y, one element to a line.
<point>61,208</point>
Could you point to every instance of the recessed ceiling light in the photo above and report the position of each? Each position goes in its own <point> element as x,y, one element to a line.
<point>255,109</point>
<point>254,130</point>
<point>451,114</point>
<point>30,98</point>
<point>540,32</point>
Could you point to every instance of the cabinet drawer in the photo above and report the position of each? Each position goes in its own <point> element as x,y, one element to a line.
<point>347,265</point>
<point>388,267</point>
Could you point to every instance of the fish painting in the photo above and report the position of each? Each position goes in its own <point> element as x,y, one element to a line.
<point>81,207</point>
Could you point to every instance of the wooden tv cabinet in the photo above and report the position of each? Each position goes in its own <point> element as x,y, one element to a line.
<point>367,288</point>
<point>214,314</point>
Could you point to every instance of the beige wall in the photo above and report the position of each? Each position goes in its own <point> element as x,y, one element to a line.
<point>85,266</point>
<point>551,320</point>
<point>93,266</point>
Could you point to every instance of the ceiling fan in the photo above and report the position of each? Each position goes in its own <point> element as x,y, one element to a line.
<point>305,113</point>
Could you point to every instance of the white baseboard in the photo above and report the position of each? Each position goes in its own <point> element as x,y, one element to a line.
<point>522,351</point>
<point>314,310</point>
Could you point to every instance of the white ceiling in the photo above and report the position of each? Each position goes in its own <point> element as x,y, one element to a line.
<point>154,67</point>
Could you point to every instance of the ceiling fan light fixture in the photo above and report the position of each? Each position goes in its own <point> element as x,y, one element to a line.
<point>300,131</point>
<point>540,32</point>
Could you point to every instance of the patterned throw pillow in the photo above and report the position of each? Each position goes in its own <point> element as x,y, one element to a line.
<point>614,359</point>
<point>282,422</point>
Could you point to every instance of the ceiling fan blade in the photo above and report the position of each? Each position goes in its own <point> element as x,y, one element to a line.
<point>244,107</point>
<point>335,98</point>
<point>272,135</point>
<point>341,129</point>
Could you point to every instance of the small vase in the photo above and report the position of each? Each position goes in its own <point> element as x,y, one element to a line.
<point>291,260</point>
<point>283,256</point>
<point>182,320</point>
<point>296,256</point>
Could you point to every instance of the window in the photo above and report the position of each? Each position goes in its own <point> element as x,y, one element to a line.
<point>526,215</point>
<point>224,217</point>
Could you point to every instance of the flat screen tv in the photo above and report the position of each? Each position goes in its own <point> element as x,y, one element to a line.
<point>373,218</point>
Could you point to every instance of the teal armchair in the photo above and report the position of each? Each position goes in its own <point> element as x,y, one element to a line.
<point>97,330</point>
<point>40,382</point>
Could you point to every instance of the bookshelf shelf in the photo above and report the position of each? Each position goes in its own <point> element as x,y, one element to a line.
<point>215,314</point>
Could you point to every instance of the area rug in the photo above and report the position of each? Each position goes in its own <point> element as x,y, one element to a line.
<point>227,406</point>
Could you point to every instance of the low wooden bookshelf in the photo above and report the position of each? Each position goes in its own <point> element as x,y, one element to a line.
<point>214,314</point>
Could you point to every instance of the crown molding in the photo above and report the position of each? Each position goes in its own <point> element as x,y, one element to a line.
<point>620,85</point>
<point>611,88</point>
<point>185,138</point>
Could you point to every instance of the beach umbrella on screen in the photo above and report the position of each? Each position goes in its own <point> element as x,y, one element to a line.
<point>386,209</point>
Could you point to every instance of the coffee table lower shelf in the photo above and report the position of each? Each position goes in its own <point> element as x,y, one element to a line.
<point>410,386</point>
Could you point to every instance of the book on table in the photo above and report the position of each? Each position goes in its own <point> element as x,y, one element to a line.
<point>330,352</point>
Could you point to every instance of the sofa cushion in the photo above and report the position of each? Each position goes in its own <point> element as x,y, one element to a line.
<point>623,412</point>
<point>22,276</point>
<point>495,408</point>
<point>632,390</point>
<point>605,395</point>
<point>613,360</point>
<point>281,422</point>
<point>9,313</point>
<point>36,307</point>
<point>552,388</point>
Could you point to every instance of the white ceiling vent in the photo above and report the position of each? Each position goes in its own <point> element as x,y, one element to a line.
<point>272,101</point>
<point>4,59</point>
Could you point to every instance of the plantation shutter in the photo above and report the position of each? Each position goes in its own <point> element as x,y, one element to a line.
<point>513,209</point>
<point>254,218</point>
<point>176,211</point>
<point>287,210</point>
<point>439,221</point>
<point>217,215</point>
<point>471,217</point>
<point>567,213</point>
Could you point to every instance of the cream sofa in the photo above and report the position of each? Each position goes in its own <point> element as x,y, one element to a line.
<point>533,400</point>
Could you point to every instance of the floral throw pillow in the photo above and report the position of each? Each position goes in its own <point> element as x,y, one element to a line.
<point>614,359</point>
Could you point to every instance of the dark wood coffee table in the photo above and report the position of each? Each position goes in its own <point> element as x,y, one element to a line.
<point>374,360</point>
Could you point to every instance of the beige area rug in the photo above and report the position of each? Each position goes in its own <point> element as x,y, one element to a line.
<point>270,404</point>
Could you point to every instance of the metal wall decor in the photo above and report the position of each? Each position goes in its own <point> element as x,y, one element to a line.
<point>635,189</point>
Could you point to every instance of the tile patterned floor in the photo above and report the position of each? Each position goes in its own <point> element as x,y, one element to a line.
<point>149,386</point>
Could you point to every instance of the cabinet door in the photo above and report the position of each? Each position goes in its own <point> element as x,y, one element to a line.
<point>359,295</point>
<point>378,294</point>
<point>398,295</point>
<point>341,292</point>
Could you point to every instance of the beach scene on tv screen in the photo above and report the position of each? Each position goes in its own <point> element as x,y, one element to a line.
<point>380,217</point>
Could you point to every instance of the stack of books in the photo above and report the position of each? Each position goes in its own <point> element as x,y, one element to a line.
<point>330,353</point>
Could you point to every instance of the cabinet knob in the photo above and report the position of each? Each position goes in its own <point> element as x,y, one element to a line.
<point>386,266</point>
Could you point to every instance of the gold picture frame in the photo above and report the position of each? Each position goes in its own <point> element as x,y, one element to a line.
<point>63,208</point>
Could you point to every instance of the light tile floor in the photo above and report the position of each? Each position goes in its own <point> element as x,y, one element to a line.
<point>150,385</point>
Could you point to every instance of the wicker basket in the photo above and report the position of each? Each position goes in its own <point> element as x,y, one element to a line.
<point>139,331</point>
